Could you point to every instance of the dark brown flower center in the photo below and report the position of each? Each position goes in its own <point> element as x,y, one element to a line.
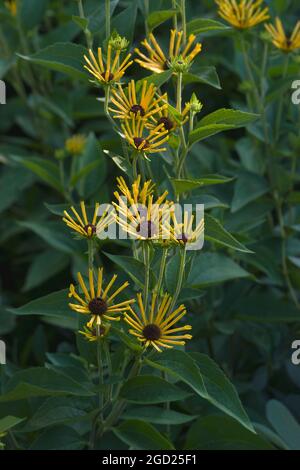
<point>90,228</point>
<point>183,238</point>
<point>97,306</point>
<point>168,124</point>
<point>152,332</point>
<point>146,229</point>
<point>110,76</point>
<point>141,143</point>
<point>136,108</point>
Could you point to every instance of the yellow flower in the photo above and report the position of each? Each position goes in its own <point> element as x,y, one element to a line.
<point>243,14</point>
<point>184,232</point>
<point>95,334</point>
<point>96,301</point>
<point>75,144</point>
<point>130,105</point>
<point>109,71</point>
<point>11,5</point>
<point>155,328</point>
<point>137,194</point>
<point>142,217</point>
<point>143,140</point>
<point>165,117</point>
<point>158,61</point>
<point>281,40</point>
<point>81,224</point>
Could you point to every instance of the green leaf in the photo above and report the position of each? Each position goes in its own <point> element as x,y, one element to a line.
<point>57,410</point>
<point>204,25</point>
<point>141,436</point>
<point>205,378</point>
<point>215,232</point>
<point>54,305</point>
<point>53,233</point>
<point>158,17</point>
<point>207,75</point>
<point>131,344</point>
<point>58,438</point>
<point>133,267</point>
<point>221,391</point>
<point>120,161</point>
<point>230,117</point>
<point>149,390</point>
<point>9,422</point>
<point>158,79</point>
<point>13,182</point>
<point>124,22</point>
<point>264,308</point>
<point>91,169</point>
<point>186,185</point>
<point>247,188</point>
<point>81,22</point>
<point>31,12</point>
<point>62,57</point>
<point>39,382</point>
<point>43,168</point>
<point>214,268</point>
<point>203,132</point>
<point>223,433</point>
<point>284,423</point>
<point>157,415</point>
<point>37,274</point>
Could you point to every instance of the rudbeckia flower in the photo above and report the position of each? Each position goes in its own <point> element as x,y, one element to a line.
<point>243,14</point>
<point>82,225</point>
<point>11,5</point>
<point>109,71</point>
<point>95,334</point>
<point>142,220</point>
<point>280,38</point>
<point>138,193</point>
<point>156,327</point>
<point>75,144</point>
<point>169,122</point>
<point>158,61</point>
<point>184,232</point>
<point>142,139</point>
<point>130,103</point>
<point>96,300</point>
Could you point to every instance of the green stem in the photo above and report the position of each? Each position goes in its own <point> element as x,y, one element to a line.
<point>167,408</point>
<point>179,279</point>
<point>107,18</point>
<point>183,17</point>
<point>121,404</point>
<point>281,101</point>
<point>91,253</point>
<point>174,7</point>
<point>100,372</point>
<point>109,367</point>
<point>134,165</point>
<point>88,34</point>
<point>264,69</point>
<point>283,253</point>
<point>146,251</point>
<point>249,72</point>
<point>162,270</point>
<point>179,92</point>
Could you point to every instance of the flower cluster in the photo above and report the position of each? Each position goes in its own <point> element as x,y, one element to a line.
<point>146,118</point>
<point>146,218</point>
